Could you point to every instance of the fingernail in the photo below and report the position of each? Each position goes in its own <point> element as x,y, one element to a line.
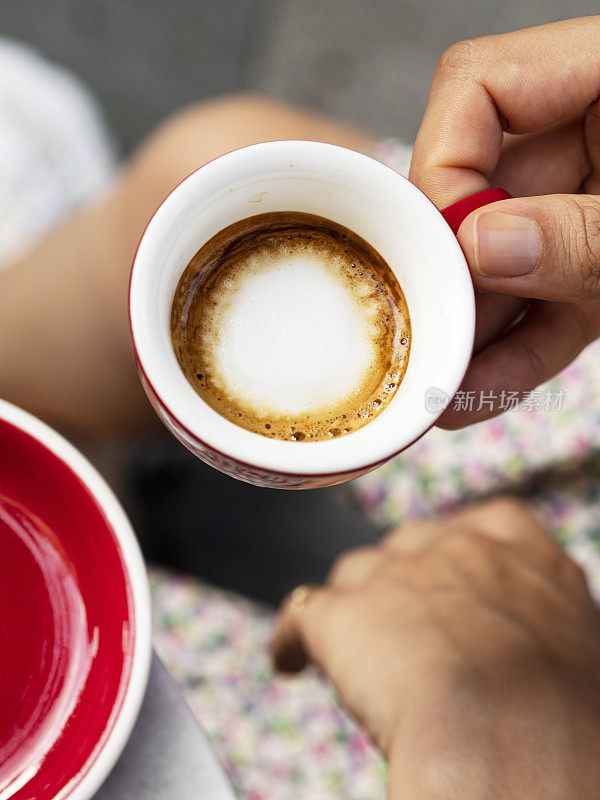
<point>505,245</point>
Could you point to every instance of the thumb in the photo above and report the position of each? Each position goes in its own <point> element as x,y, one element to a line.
<point>544,247</point>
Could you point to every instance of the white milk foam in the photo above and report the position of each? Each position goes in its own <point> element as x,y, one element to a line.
<point>289,333</point>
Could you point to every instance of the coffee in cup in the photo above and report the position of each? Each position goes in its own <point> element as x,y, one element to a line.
<point>292,326</point>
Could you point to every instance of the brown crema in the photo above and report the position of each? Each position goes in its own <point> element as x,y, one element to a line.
<point>260,243</point>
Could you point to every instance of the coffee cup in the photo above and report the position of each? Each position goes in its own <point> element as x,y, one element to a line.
<point>354,191</point>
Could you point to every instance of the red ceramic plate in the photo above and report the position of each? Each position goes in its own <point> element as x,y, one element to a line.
<point>74,617</point>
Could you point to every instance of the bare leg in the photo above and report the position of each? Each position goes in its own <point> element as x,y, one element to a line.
<point>65,352</point>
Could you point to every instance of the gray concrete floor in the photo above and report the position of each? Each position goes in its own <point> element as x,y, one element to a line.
<point>368,61</point>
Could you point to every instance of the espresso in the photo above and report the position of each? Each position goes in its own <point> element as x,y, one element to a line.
<point>291,326</point>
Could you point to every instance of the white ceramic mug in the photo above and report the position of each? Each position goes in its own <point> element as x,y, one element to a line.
<point>378,204</point>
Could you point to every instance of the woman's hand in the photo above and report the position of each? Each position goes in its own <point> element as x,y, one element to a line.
<point>521,111</point>
<point>469,647</point>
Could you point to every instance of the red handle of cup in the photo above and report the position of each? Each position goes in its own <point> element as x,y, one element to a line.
<point>457,212</point>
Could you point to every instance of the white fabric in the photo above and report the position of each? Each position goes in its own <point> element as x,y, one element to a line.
<point>55,149</point>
